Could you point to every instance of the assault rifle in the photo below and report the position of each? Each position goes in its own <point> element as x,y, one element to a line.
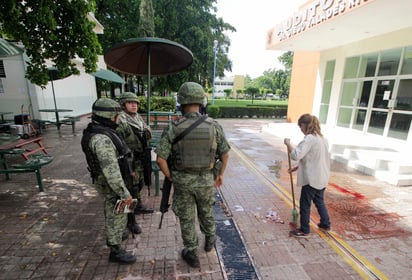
<point>147,157</point>
<point>127,170</point>
<point>164,204</point>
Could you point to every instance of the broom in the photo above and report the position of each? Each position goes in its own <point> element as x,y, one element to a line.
<point>294,222</point>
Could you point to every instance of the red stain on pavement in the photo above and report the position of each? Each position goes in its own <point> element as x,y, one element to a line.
<point>346,191</point>
<point>354,217</point>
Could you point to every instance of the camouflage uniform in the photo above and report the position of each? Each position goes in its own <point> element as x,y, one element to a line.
<point>110,184</point>
<point>135,145</point>
<point>107,158</point>
<point>133,128</point>
<point>193,191</point>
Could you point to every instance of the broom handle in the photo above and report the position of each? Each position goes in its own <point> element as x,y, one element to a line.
<point>291,180</point>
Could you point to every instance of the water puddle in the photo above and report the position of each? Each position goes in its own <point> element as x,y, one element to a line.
<point>275,168</point>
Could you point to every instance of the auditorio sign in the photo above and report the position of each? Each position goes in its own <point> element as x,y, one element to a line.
<point>312,14</point>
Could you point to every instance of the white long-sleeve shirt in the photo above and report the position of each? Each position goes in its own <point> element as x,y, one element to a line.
<point>314,161</point>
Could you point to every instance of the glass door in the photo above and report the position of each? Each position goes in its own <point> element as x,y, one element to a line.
<point>376,94</point>
<point>400,122</point>
<point>362,105</point>
<point>379,113</point>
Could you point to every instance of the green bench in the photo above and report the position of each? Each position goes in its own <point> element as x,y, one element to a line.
<point>32,164</point>
<point>41,124</point>
<point>70,120</point>
<point>66,120</point>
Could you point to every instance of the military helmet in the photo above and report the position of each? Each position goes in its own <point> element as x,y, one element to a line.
<point>190,93</point>
<point>128,97</point>
<point>106,108</point>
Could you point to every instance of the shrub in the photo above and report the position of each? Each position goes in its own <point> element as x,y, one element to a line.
<point>164,104</point>
<point>249,111</point>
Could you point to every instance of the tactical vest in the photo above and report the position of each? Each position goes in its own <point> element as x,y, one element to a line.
<point>124,155</point>
<point>197,150</point>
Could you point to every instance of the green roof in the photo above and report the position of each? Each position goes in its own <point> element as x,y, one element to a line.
<point>8,49</point>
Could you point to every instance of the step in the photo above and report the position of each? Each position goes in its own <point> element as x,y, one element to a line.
<point>392,172</point>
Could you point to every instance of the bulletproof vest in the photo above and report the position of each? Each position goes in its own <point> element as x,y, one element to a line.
<point>197,150</point>
<point>124,155</point>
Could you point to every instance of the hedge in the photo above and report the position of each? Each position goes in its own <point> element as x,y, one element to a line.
<point>167,104</point>
<point>247,112</point>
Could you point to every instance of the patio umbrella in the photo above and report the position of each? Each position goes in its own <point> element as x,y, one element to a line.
<point>148,56</point>
<point>108,76</point>
<point>54,75</point>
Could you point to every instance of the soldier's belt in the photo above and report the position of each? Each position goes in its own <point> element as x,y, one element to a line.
<point>195,171</point>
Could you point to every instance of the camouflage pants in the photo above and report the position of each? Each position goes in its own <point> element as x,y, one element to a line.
<point>138,185</point>
<point>191,198</point>
<point>114,224</point>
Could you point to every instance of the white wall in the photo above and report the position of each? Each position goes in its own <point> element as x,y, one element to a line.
<point>76,92</point>
<point>15,86</point>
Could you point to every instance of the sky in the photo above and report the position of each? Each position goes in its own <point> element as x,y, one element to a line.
<point>252,19</point>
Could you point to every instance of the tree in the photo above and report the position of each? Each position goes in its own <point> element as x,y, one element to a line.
<point>59,31</point>
<point>287,60</point>
<point>193,24</point>
<point>146,21</point>
<point>252,91</point>
<point>227,91</point>
<point>120,20</point>
<point>265,82</point>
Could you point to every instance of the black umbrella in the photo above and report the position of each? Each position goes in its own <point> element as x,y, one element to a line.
<point>148,56</point>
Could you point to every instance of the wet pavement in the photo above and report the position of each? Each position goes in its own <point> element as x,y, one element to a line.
<point>58,234</point>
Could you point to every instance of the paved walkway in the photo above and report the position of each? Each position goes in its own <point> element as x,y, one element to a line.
<point>58,234</point>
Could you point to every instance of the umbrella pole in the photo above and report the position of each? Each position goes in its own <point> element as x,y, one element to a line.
<point>148,83</point>
<point>55,107</point>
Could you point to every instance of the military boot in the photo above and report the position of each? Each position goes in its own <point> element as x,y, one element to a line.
<point>134,228</point>
<point>191,258</point>
<point>141,209</point>
<point>210,243</point>
<point>132,225</point>
<point>125,235</point>
<point>120,256</point>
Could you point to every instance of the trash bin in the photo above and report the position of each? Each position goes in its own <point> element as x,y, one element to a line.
<point>21,119</point>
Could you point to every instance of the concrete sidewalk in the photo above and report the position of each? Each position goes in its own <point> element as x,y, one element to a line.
<point>58,234</point>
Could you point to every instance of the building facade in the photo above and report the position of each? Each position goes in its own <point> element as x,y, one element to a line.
<point>352,65</point>
<point>232,83</point>
<point>18,95</point>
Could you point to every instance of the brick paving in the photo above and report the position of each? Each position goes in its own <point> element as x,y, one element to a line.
<point>58,234</point>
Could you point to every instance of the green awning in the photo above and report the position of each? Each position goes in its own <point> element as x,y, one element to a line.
<point>8,49</point>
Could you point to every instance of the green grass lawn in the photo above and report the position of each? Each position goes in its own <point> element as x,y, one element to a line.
<point>244,103</point>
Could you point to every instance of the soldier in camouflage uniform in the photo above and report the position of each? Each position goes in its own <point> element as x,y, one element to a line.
<point>133,128</point>
<point>190,168</point>
<point>100,144</point>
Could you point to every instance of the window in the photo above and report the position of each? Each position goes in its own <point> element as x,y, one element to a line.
<point>326,92</point>
<point>376,94</point>
<point>351,67</point>
<point>389,62</point>
<point>368,65</point>
<point>407,62</point>
<point>404,97</point>
<point>2,71</point>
